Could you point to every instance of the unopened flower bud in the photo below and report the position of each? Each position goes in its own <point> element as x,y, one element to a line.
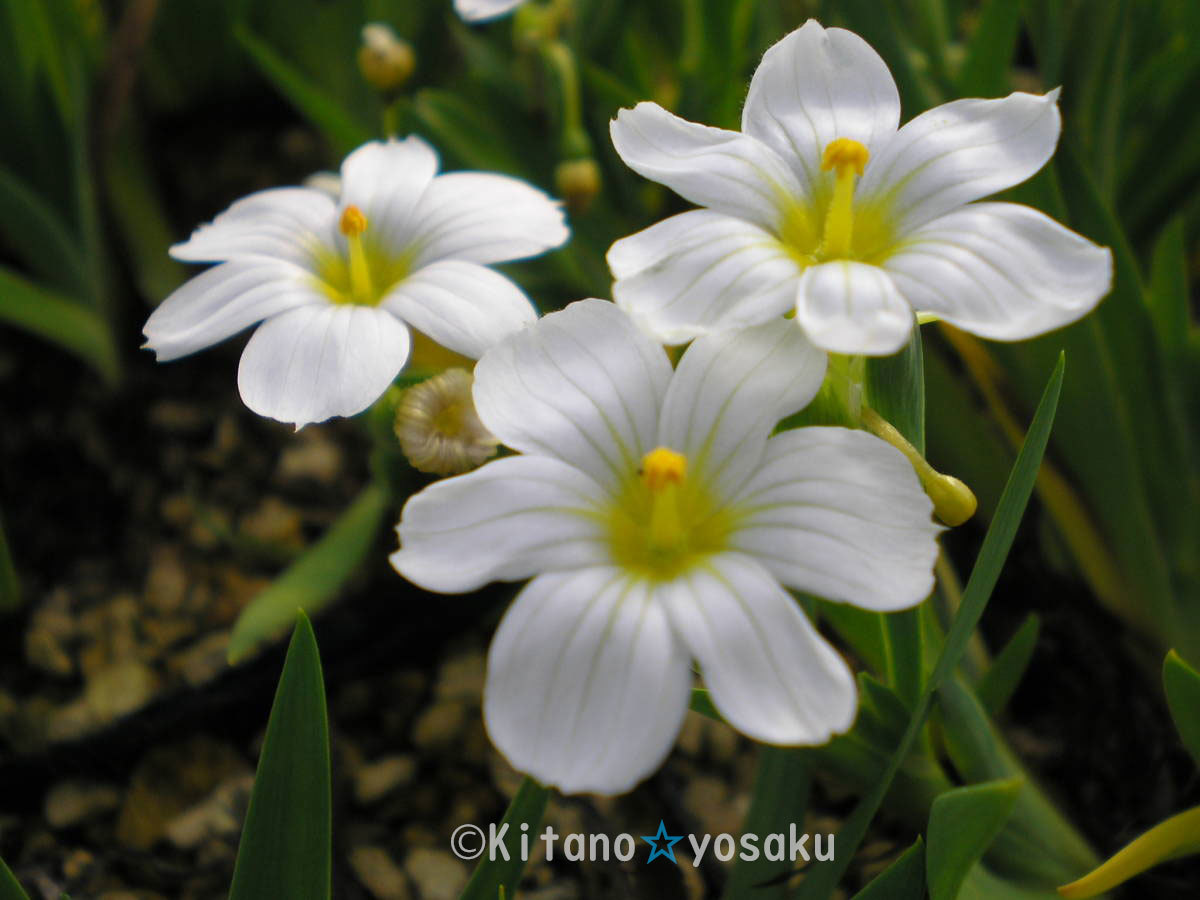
<point>386,62</point>
<point>577,181</point>
<point>438,428</point>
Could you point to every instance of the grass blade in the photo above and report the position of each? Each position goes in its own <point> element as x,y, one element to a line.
<point>10,888</point>
<point>286,848</point>
<point>10,586</point>
<point>990,51</point>
<point>902,880</point>
<point>60,320</point>
<point>498,877</point>
<point>962,823</point>
<point>821,882</point>
<point>1182,685</point>
<point>780,797</point>
<point>998,683</point>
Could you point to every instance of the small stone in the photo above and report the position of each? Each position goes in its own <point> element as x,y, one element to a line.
<point>71,803</point>
<point>119,690</point>
<point>437,874</point>
<point>217,817</point>
<point>374,868</point>
<point>203,661</point>
<point>714,804</point>
<point>51,629</point>
<point>312,457</point>
<point>274,522</point>
<point>374,781</point>
<point>461,678</point>
<point>439,725</point>
<point>166,584</point>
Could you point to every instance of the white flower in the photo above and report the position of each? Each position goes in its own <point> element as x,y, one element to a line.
<point>484,10</point>
<point>659,519</point>
<point>340,279</point>
<point>821,205</point>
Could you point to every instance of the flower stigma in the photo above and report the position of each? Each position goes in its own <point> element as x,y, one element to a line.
<point>847,159</point>
<point>664,522</point>
<point>353,223</point>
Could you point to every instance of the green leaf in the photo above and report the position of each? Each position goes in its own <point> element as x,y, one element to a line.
<point>991,49</point>
<point>286,848</point>
<point>312,581</point>
<point>462,129</point>
<point>38,236</point>
<point>902,880</point>
<point>701,702</point>
<point>996,543</point>
<point>1182,685</point>
<point>962,823</point>
<point>342,130</point>
<point>998,683</point>
<point>499,876</point>
<point>10,888</point>
<point>10,586</point>
<point>1168,291</point>
<point>59,319</point>
<point>1038,846</point>
<point>780,797</point>
<point>1177,836</point>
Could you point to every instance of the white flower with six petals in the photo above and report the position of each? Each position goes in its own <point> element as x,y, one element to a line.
<point>659,520</point>
<point>822,205</point>
<point>338,281</point>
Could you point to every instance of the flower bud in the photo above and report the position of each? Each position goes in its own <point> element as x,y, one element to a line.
<point>577,181</point>
<point>386,62</point>
<point>438,428</point>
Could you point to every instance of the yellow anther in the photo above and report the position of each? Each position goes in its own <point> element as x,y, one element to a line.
<point>662,467</point>
<point>353,222</point>
<point>845,153</point>
<point>846,158</point>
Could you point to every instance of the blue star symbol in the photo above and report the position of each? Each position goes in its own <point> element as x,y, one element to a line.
<point>662,835</point>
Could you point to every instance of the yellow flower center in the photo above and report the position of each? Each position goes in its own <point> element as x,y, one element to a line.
<point>665,522</point>
<point>834,228</point>
<point>365,274</point>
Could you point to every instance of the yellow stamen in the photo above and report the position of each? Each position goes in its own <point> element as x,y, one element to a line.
<point>353,223</point>
<point>663,471</point>
<point>847,158</point>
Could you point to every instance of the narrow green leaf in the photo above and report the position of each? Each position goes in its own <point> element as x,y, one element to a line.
<point>991,49</point>
<point>10,888</point>
<point>312,581</point>
<point>286,848</point>
<point>10,586</point>
<point>701,702</point>
<point>998,683</point>
<point>60,320</point>
<point>499,876</point>
<point>465,131</point>
<point>1168,291</point>
<point>962,823</point>
<point>902,880</point>
<point>38,236</point>
<point>1182,685</point>
<point>780,797</point>
<point>1177,836</point>
<point>1038,846</point>
<point>996,543</point>
<point>343,131</point>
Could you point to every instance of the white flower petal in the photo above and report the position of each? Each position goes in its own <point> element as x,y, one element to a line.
<point>386,181</point>
<point>508,520</point>
<point>730,390</point>
<point>587,685</point>
<point>852,307</point>
<point>702,271</point>
<point>730,172</point>
<point>840,514</point>
<point>959,152</point>
<point>1001,270</point>
<point>483,10</point>
<point>463,306</point>
<point>817,85</point>
<point>280,223</point>
<point>771,675</point>
<point>583,385</point>
<point>315,362</point>
<point>484,218</point>
<point>220,302</point>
